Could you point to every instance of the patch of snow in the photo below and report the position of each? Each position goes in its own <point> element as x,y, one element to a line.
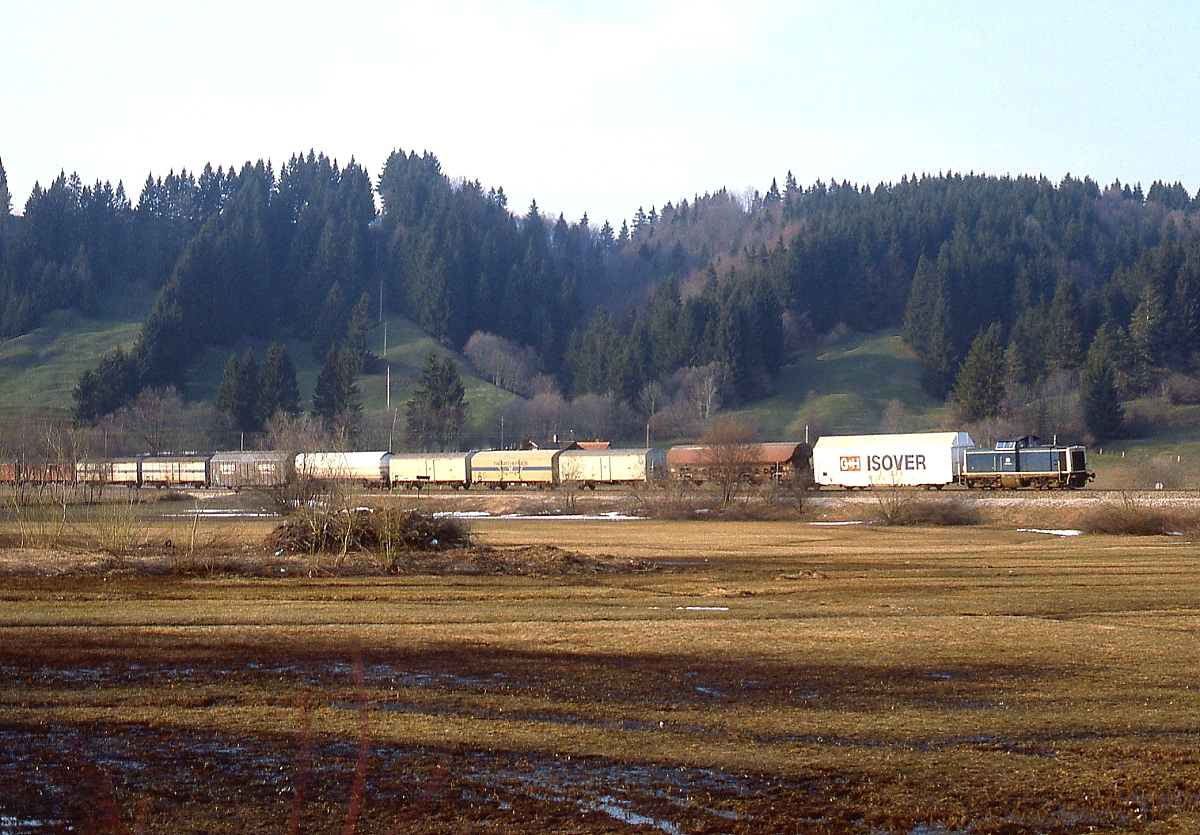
<point>1051,532</point>
<point>612,516</point>
<point>702,608</point>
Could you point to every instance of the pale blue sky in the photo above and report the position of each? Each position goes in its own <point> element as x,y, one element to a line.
<point>606,106</point>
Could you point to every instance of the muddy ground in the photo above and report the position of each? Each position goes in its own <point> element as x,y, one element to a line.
<point>615,676</point>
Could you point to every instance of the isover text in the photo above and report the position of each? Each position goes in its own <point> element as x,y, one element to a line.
<point>883,463</point>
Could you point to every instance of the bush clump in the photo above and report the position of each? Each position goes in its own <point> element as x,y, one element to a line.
<point>368,529</point>
<point>909,510</point>
<point>1136,517</point>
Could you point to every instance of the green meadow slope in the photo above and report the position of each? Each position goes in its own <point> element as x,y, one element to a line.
<point>38,370</point>
<point>845,387</point>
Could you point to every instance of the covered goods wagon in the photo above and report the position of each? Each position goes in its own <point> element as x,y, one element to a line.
<point>370,468</point>
<point>174,471</point>
<point>590,467</point>
<point>919,459</point>
<point>420,469</point>
<point>500,468</point>
<point>251,468</point>
<point>122,471</point>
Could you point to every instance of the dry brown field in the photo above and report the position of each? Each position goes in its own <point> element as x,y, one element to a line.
<point>700,677</point>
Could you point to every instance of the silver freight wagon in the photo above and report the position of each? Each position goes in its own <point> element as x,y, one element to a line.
<point>251,468</point>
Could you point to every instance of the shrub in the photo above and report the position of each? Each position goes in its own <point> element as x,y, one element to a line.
<point>386,530</point>
<point>902,507</point>
<point>1137,517</point>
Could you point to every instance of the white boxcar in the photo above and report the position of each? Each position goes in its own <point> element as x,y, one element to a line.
<point>921,459</point>
<point>174,471</point>
<point>370,468</point>
<point>502,467</point>
<point>589,467</point>
<point>417,470</point>
<point>123,471</point>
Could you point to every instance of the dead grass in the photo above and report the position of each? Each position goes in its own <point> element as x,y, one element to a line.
<point>772,677</point>
<point>1134,515</point>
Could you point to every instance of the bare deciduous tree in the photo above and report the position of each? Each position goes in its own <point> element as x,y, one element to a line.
<point>732,452</point>
<point>504,363</point>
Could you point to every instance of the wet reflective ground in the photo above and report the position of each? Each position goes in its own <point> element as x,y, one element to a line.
<point>836,680</point>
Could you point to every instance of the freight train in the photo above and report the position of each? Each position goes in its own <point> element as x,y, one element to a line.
<point>930,460</point>
<point>495,469</point>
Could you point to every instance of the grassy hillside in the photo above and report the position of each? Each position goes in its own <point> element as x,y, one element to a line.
<point>407,347</point>
<point>38,370</point>
<point>845,387</point>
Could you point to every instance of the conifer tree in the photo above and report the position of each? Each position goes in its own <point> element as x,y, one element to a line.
<point>1099,398</point>
<point>361,321</point>
<point>113,383</point>
<point>927,327</point>
<point>238,392</point>
<point>980,383</point>
<point>336,395</point>
<point>5,197</point>
<point>278,390</point>
<point>437,411</point>
<point>1063,340</point>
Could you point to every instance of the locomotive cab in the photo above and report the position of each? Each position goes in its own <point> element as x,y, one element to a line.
<point>1027,462</point>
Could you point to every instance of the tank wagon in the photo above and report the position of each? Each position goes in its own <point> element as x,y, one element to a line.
<point>423,469</point>
<point>591,467</point>
<point>369,468</point>
<point>917,459</point>
<point>1027,462</point>
<point>784,462</point>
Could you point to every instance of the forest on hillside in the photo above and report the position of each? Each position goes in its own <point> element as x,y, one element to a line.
<point>1012,291</point>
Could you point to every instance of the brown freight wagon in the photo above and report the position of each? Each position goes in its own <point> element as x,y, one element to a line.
<point>781,462</point>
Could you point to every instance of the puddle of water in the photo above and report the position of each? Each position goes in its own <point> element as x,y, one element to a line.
<point>615,809</point>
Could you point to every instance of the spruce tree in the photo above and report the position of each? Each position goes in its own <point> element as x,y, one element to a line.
<point>1099,397</point>
<point>361,321</point>
<point>437,412</point>
<point>980,383</point>
<point>278,390</point>
<point>238,392</point>
<point>336,394</point>
<point>1063,340</point>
